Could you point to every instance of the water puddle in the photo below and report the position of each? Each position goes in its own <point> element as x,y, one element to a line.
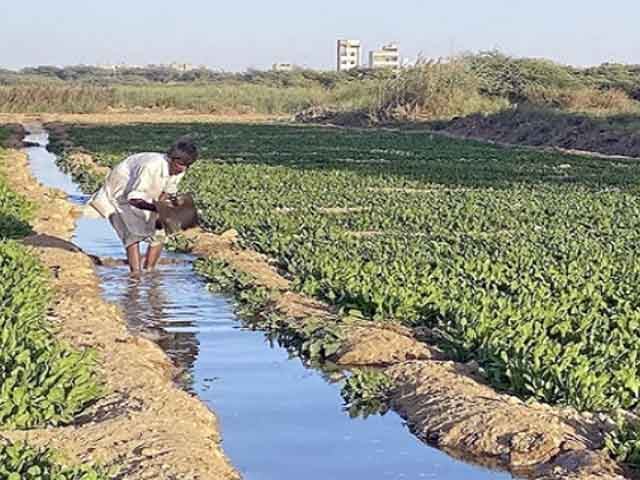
<point>279,419</point>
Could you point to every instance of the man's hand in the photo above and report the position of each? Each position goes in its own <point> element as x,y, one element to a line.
<point>142,204</point>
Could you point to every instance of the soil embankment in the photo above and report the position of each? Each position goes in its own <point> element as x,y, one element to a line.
<point>568,132</point>
<point>548,130</point>
<point>146,426</point>
<point>445,403</point>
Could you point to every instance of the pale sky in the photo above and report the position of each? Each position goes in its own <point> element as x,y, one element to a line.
<point>238,34</point>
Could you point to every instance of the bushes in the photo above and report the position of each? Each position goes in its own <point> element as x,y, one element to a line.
<point>582,99</point>
<point>432,90</point>
<point>20,462</point>
<point>483,82</point>
<point>42,381</point>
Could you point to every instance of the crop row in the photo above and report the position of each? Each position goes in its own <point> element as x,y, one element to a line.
<point>523,261</point>
<point>43,381</point>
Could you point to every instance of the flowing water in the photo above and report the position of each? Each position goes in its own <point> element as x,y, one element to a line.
<point>279,419</point>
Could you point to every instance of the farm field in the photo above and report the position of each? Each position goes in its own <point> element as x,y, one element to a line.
<point>522,261</point>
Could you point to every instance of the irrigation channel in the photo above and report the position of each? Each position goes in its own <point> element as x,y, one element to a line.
<point>279,419</point>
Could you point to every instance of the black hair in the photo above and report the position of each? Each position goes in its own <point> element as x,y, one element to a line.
<point>184,151</point>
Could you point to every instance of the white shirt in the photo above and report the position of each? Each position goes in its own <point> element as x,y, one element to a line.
<point>142,176</point>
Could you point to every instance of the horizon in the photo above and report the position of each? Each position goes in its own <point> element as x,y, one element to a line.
<point>296,67</point>
<point>226,38</point>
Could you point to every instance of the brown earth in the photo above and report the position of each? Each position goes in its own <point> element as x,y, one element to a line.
<point>145,427</point>
<point>446,404</point>
<point>537,129</point>
<point>565,131</point>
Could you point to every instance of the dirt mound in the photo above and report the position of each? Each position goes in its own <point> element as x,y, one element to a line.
<point>358,118</point>
<point>447,406</point>
<point>542,128</point>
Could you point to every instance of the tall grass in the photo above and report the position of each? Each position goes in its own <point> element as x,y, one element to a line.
<point>220,98</point>
<point>208,98</point>
<point>483,83</point>
<point>55,98</point>
<point>432,90</point>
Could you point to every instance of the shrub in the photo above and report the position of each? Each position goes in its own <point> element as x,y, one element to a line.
<point>623,443</point>
<point>582,99</point>
<point>432,90</point>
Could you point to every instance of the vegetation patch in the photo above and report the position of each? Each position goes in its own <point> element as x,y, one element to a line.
<point>522,261</point>
<point>179,243</point>
<point>623,443</point>
<point>366,393</point>
<point>18,461</point>
<point>495,274</point>
<point>43,381</point>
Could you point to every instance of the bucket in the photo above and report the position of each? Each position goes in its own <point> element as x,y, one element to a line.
<point>177,213</point>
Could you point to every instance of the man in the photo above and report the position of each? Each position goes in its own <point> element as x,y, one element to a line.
<point>129,195</point>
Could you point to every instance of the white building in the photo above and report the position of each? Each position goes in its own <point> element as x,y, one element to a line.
<point>348,55</point>
<point>387,57</point>
<point>182,67</point>
<point>282,67</point>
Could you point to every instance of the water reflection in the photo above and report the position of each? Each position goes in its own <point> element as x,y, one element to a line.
<point>153,309</point>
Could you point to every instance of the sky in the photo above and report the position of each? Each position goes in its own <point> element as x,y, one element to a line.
<point>239,34</point>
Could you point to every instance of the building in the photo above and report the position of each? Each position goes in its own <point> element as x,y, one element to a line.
<point>182,67</point>
<point>387,57</point>
<point>282,67</point>
<point>348,55</point>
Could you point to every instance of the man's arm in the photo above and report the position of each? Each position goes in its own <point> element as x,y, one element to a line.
<point>142,204</point>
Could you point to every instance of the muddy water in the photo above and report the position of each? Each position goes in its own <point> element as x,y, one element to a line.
<point>279,419</point>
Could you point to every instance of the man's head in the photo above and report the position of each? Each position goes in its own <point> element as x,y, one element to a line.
<point>182,154</point>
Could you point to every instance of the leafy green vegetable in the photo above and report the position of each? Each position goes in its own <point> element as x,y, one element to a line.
<point>42,380</point>
<point>18,461</point>
<point>523,261</point>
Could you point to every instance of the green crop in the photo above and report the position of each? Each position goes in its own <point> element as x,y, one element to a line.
<point>42,380</point>
<point>367,392</point>
<point>623,443</point>
<point>20,462</point>
<point>179,243</point>
<point>15,210</point>
<point>523,261</point>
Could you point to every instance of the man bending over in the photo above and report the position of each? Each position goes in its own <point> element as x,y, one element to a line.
<point>129,195</point>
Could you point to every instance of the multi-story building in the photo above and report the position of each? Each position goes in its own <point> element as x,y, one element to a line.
<point>182,67</point>
<point>282,67</point>
<point>348,55</point>
<point>387,57</point>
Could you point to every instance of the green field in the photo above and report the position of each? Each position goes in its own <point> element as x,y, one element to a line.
<point>523,261</point>
<point>43,381</point>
